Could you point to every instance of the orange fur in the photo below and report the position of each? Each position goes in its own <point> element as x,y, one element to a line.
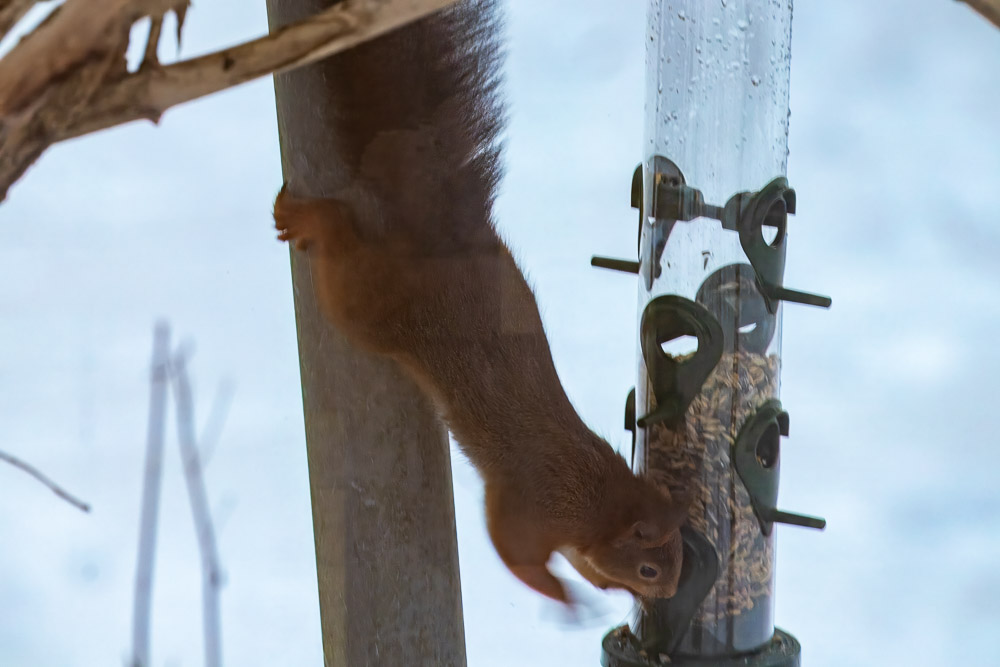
<point>466,328</point>
<point>407,263</point>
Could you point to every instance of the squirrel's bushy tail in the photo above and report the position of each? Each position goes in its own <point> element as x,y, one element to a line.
<point>418,124</point>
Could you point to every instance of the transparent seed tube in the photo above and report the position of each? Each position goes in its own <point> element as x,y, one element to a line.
<point>717,108</point>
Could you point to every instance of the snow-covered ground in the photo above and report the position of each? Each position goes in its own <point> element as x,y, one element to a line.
<point>895,155</point>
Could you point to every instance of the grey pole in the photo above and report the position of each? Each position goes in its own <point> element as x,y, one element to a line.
<point>379,466</point>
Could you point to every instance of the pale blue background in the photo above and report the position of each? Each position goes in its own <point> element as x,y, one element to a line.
<point>895,154</point>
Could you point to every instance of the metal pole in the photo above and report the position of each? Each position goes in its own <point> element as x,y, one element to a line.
<point>379,466</point>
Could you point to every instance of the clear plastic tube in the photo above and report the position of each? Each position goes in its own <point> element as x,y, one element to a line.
<point>717,107</point>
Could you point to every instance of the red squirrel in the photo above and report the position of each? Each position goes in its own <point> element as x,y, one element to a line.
<point>406,262</point>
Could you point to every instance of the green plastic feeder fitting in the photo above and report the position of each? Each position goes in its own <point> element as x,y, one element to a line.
<point>667,620</point>
<point>746,213</point>
<point>615,264</point>
<point>676,381</point>
<point>630,421</point>
<point>756,455</point>
<point>747,323</point>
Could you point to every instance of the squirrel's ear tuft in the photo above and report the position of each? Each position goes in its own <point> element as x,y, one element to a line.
<point>655,531</point>
<point>645,532</point>
<point>676,515</point>
<point>642,533</point>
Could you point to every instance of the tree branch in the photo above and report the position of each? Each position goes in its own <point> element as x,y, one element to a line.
<point>68,77</point>
<point>211,573</point>
<point>12,11</point>
<point>76,32</point>
<point>143,600</point>
<point>216,420</point>
<point>37,474</point>
<point>989,9</point>
<point>147,94</point>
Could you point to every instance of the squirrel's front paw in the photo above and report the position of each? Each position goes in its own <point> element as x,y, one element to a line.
<point>294,220</point>
<point>583,608</point>
<point>314,221</point>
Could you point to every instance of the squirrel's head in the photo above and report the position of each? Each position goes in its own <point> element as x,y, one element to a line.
<point>645,552</point>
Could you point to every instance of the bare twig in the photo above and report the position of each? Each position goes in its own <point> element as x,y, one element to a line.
<point>216,420</point>
<point>67,78</point>
<point>198,498</point>
<point>989,9</point>
<point>55,488</point>
<point>150,497</point>
<point>151,58</point>
<point>81,30</point>
<point>146,95</point>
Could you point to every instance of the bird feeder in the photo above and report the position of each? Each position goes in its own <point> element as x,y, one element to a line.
<point>714,209</point>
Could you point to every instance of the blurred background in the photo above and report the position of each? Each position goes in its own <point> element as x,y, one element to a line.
<point>895,156</point>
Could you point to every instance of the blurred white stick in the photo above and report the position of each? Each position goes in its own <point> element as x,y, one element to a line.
<point>150,497</point>
<point>37,474</point>
<point>210,571</point>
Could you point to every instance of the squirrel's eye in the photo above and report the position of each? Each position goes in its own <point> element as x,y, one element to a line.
<point>647,572</point>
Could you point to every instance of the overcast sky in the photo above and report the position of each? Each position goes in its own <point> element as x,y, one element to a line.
<point>895,156</point>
